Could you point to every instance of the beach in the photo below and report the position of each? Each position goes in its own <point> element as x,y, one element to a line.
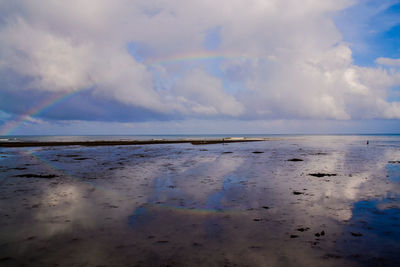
<point>287,201</point>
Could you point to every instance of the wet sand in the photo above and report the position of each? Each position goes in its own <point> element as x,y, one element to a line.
<point>305,201</point>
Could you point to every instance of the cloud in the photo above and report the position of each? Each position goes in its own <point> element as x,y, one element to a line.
<point>367,25</point>
<point>200,93</point>
<point>54,62</point>
<point>388,61</point>
<point>57,63</point>
<point>279,59</point>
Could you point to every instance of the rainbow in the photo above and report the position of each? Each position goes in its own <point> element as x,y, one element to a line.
<point>54,99</point>
<point>196,56</point>
<point>9,127</point>
<point>46,166</point>
<point>52,169</point>
<point>196,211</point>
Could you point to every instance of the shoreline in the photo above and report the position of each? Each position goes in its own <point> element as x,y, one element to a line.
<point>133,142</point>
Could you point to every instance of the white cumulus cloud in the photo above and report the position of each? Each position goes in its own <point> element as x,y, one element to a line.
<point>201,93</point>
<point>291,61</point>
<point>388,61</point>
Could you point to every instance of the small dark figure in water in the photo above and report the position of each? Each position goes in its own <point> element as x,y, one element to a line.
<point>367,142</point>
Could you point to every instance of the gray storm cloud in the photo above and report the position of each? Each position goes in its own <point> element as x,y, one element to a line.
<point>296,64</point>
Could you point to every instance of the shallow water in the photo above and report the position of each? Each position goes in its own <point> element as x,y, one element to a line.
<point>185,205</point>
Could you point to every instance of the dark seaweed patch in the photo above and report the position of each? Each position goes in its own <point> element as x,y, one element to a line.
<point>295,159</point>
<point>356,234</point>
<point>303,229</point>
<point>31,175</point>
<point>319,174</point>
<point>69,156</point>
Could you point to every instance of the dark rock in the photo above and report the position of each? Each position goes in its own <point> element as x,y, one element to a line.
<point>294,236</point>
<point>303,229</point>
<point>297,193</point>
<point>265,207</point>
<point>31,175</point>
<point>356,234</point>
<point>294,159</point>
<point>334,256</point>
<point>257,152</point>
<point>319,174</point>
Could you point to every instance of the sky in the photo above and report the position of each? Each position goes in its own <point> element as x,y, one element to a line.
<point>199,67</point>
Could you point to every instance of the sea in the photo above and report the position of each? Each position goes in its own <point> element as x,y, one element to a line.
<point>292,200</point>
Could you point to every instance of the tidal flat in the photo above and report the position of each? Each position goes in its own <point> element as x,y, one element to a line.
<point>291,201</point>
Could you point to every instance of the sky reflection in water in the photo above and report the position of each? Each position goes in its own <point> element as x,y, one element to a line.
<point>179,204</point>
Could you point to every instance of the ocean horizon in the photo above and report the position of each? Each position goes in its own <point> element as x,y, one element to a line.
<point>64,138</point>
